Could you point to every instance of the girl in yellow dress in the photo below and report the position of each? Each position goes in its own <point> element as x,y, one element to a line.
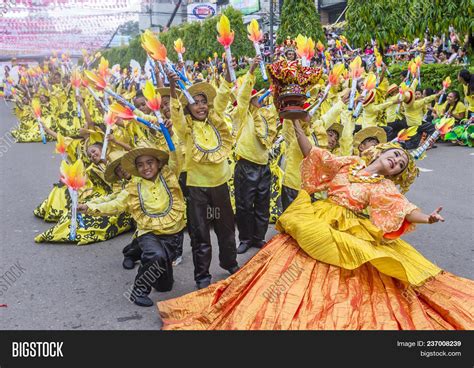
<point>93,228</point>
<point>332,267</point>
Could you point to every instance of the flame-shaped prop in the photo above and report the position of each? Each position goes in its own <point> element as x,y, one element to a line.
<point>76,83</point>
<point>256,35</point>
<point>369,85</point>
<point>154,103</point>
<point>446,84</point>
<point>355,73</point>
<point>179,48</point>
<point>35,104</point>
<point>305,49</point>
<point>126,113</point>
<point>225,38</point>
<point>442,128</point>
<point>405,134</point>
<point>61,146</point>
<point>74,176</point>
<point>110,119</point>
<point>333,80</point>
<point>157,51</point>
<point>345,42</point>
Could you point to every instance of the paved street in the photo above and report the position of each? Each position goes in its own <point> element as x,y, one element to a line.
<point>81,287</point>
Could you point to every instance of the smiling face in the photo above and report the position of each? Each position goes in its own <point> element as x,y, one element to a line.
<point>451,98</point>
<point>290,55</point>
<point>418,95</point>
<point>200,109</point>
<point>165,106</point>
<point>333,137</point>
<point>94,152</point>
<point>148,167</point>
<point>393,162</point>
<point>140,103</point>
<point>121,173</point>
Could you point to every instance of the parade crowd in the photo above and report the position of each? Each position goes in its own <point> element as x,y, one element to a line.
<point>162,149</point>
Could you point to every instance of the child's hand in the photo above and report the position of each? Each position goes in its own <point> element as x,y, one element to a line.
<point>82,208</point>
<point>169,126</point>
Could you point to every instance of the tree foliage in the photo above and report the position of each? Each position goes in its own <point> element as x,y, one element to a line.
<point>432,75</point>
<point>388,21</point>
<point>199,38</point>
<point>300,16</point>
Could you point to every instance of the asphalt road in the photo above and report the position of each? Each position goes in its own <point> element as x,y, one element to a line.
<point>81,287</point>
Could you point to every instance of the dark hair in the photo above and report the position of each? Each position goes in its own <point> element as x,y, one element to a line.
<point>466,76</point>
<point>96,144</point>
<point>138,94</point>
<point>368,139</point>
<point>452,108</point>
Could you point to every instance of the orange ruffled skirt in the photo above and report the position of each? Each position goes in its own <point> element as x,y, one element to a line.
<point>283,288</point>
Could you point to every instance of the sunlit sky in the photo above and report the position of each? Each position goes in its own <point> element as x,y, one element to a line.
<point>34,27</point>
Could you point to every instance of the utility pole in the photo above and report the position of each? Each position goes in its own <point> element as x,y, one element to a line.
<point>271,27</point>
<point>174,14</point>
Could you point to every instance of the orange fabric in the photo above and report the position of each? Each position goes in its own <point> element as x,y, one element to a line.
<point>282,288</point>
<point>398,233</point>
<point>322,170</point>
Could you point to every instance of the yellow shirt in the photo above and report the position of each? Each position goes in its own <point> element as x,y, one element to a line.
<point>414,111</point>
<point>256,127</point>
<point>468,99</point>
<point>207,143</point>
<point>371,113</point>
<point>391,111</point>
<point>293,157</point>
<point>156,206</point>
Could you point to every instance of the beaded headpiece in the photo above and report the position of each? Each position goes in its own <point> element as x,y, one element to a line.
<point>403,179</point>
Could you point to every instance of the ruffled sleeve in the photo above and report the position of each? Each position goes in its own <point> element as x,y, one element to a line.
<point>319,168</point>
<point>388,209</point>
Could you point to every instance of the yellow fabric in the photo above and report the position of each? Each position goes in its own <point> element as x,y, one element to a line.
<point>205,168</point>
<point>414,111</point>
<point>283,288</point>
<point>333,234</point>
<point>391,111</point>
<point>333,115</point>
<point>156,207</point>
<point>247,118</point>
<point>293,156</point>
<point>54,206</point>
<point>370,115</point>
<point>347,136</point>
<point>468,99</point>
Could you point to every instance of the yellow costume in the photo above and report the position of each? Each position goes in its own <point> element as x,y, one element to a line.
<point>333,268</point>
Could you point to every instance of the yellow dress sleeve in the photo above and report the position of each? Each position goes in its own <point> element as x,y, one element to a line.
<point>222,98</point>
<point>178,119</point>
<point>239,115</point>
<point>347,136</point>
<point>115,206</point>
<point>388,209</point>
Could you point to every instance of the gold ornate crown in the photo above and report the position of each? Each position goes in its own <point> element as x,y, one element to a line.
<point>289,44</point>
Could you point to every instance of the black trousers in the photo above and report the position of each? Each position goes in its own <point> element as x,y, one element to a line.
<point>132,251</point>
<point>211,206</point>
<point>396,126</point>
<point>156,269</point>
<point>288,195</point>
<point>184,189</point>
<point>252,201</point>
<point>427,127</point>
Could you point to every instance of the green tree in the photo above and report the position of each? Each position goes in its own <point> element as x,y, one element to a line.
<point>199,38</point>
<point>300,16</point>
<point>388,21</point>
